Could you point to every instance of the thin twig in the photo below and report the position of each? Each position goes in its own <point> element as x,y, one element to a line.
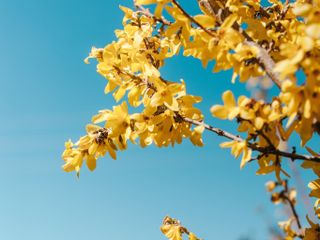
<point>291,204</point>
<point>265,62</point>
<point>265,150</point>
<point>261,133</point>
<point>294,212</point>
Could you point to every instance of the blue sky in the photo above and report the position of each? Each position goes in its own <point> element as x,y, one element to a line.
<point>48,95</point>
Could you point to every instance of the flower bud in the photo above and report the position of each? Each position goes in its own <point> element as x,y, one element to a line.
<point>270,186</point>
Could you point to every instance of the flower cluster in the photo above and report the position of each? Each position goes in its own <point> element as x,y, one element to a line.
<point>279,41</point>
<point>131,66</point>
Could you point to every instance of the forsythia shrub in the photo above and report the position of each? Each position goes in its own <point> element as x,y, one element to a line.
<point>274,40</point>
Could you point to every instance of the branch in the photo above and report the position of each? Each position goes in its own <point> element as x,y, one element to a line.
<point>253,146</point>
<point>265,61</point>
<point>294,212</point>
<point>291,204</point>
<point>261,133</point>
<point>285,196</point>
<point>218,131</point>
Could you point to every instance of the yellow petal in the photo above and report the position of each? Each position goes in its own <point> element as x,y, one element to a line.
<point>258,123</point>
<point>228,99</point>
<point>234,76</point>
<point>233,113</point>
<point>111,152</point>
<point>68,167</point>
<point>110,87</point>
<point>119,93</point>
<point>91,162</point>
<point>219,111</point>
<point>313,30</point>
<point>229,21</point>
<point>227,144</point>
<point>205,20</point>
<point>140,2</point>
<point>156,99</point>
<point>302,9</point>
<point>93,148</point>
<point>90,128</point>
<point>158,10</point>
<point>101,116</point>
<point>172,232</point>
<point>245,157</point>
<point>192,236</point>
<point>313,153</point>
<point>307,109</point>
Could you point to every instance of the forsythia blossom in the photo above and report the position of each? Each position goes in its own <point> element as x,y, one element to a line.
<point>279,41</point>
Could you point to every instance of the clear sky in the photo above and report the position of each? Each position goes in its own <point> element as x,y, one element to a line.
<point>48,95</point>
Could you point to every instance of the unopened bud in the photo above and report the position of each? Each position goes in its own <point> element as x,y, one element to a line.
<point>270,186</point>
<point>275,198</point>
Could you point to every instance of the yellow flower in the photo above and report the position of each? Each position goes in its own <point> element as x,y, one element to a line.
<point>166,94</point>
<point>228,110</point>
<point>312,233</point>
<point>237,148</point>
<point>172,229</point>
<point>95,53</point>
<point>118,120</point>
<point>313,30</point>
<point>73,162</point>
<point>172,232</point>
<point>315,188</point>
<point>192,236</point>
<point>287,228</point>
<point>196,136</point>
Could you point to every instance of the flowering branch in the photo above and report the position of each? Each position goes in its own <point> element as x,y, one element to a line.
<point>265,150</point>
<point>264,59</point>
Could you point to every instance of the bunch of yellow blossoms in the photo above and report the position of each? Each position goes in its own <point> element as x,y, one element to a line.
<point>131,65</point>
<point>280,41</point>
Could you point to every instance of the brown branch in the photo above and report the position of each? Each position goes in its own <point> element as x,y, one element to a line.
<point>265,62</point>
<point>253,146</point>
<point>217,131</point>
<point>294,212</point>
<point>261,133</point>
<point>291,204</point>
